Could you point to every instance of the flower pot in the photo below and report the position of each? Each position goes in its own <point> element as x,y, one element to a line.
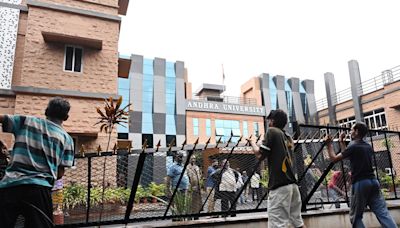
<point>154,200</point>
<point>143,200</point>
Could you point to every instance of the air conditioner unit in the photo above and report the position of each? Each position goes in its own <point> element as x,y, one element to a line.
<point>390,171</point>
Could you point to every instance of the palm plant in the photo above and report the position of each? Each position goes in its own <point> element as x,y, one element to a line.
<point>113,114</point>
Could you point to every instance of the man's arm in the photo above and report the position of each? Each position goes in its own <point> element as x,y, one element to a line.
<point>332,156</point>
<point>60,172</point>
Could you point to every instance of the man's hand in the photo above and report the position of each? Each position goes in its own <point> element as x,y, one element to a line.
<point>342,137</point>
<point>328,139</point>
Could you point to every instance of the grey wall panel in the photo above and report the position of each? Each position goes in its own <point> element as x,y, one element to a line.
<point>180,96</point>
<point>159,123</point>
<point>135,122</point>
<point>356,89</point>
<point>180,124</point>
<point>159,67</point>
<point>282,103</point>
<point>179,69</point>
<point>294,84</point>
<point>159,102</point>
<point>136,64</point>
<point>297,105</point>
<point>159,168</point>
<point>312,108</point>
<point>330,89</point>
<point>280,86</point>
<point>132,164</point>
<point>264,82</point>
<point>308,86</point>
<point>279,82</point>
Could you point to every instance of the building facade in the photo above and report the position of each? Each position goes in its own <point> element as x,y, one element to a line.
<point>293,96</point>
<point>375,101</point>
<point>155,88</point>
<point>60,48</point>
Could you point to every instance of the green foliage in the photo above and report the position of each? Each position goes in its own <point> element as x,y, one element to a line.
<point>182,204</point>
<point>76,195</point>
<point>264,178</point>
<point>156,190</point>
<point>387,143</point>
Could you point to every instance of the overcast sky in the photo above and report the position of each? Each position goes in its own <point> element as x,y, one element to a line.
<point>301,39</point>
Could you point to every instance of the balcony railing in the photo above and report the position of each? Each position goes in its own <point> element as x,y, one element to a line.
<point>227,99</point>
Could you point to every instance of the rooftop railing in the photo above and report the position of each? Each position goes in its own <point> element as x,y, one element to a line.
<point>365,87</point>
<point>227,99</point>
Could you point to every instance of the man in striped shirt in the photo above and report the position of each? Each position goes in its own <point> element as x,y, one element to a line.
<point>41,150</point>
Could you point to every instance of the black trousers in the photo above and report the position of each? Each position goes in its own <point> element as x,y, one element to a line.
<point>33,202</point>
<point>227,200</point>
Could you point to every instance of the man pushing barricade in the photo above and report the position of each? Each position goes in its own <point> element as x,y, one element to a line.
<point>41,150</point>
<point>284,201</point>
<point>365,188</point>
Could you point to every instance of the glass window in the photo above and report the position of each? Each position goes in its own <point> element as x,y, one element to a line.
<point>208,127</point>
<point>219,123</point>
<point>219,131</point>
<point>73,59</point>
<point>195,126</point>
<point>123,83</point>
<point>256,130</point>
<point>170,69</point>
<point>245,129</point>
<point>170,125</point>
<point>148,66</point>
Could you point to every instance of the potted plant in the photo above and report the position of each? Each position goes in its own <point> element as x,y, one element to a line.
<point>156,191</point>
<point>139,194</point>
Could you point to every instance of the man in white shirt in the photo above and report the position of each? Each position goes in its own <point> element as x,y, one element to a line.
<point>255,186</point>
<point>227,179</point>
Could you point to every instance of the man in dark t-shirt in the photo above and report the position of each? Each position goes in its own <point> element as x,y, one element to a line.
<point>365,187</point>
<point>284,201</point>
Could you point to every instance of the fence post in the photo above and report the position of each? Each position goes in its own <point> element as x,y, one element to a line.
<point>391,164</point>
<point>374,156</point>
<point>135,182</point>
<point>89,186</point>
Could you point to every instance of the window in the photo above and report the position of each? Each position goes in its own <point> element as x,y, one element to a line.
<point>376,119</point>
<point>73,59</point>
<point>195,126</point>
<point>208,127</point>
<point>226,128</point>
<point>256,130</point>
<point>245,129</point>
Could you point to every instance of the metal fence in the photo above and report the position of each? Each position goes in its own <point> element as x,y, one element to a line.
<point>122,187</point>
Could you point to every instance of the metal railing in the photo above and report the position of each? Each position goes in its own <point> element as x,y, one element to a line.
<point>136,176</point>
<point>227,99</point>
<point>365,87</point>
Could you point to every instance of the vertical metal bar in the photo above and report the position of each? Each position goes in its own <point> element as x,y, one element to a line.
<point>305,201</point>
<point>374,156</point>
<point>135,184</point>
<point>345,180</point>
<point>391,164</point>
<point>89,186</point>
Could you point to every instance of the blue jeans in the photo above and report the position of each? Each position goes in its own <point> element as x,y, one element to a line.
<point>367,192</point>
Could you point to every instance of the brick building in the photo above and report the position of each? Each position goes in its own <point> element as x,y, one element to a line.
<point>375,102</point>
<point>60,48</point>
